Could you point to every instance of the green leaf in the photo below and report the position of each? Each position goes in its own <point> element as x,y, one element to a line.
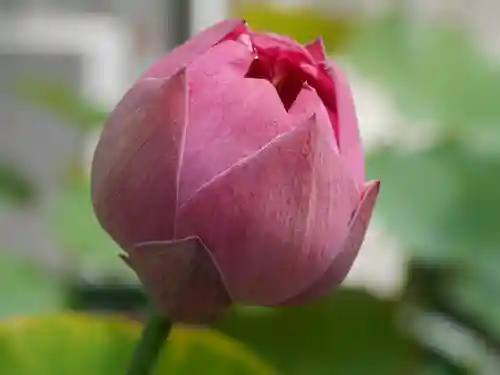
<point>419,192</point>
<point>62,101</point>
<point>350,333</point>
<point>438,202</point>
<point>304,24</point>
<point>25,288</point>
<point>74,222</point>
<point>435,72</point>
<point>435,369</point>
<point>81,344</point>
<point>473,291</point>
<point>15,187</point>
<point>475,296</point>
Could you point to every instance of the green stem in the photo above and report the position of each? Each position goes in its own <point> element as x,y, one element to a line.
<point>153,338</point>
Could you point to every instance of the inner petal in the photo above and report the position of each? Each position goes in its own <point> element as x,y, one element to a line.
<point>287,79</point>
<point>283,62</point>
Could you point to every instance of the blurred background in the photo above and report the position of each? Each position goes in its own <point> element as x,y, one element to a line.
<point>424,295</point>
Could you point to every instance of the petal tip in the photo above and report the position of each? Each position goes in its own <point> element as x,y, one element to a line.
<point>184,54</point>
<point>317,49</point>
<point>372,189</point>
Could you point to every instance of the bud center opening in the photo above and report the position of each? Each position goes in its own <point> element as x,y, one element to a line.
<point>281,72</point>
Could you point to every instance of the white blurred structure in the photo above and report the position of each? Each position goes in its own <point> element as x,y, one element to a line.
<point>89,53</point>
<point>204,13</point>
<point>101,43</point>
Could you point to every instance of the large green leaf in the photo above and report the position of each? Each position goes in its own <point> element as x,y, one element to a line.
<point>350,333</point>
<point>420,190</point>
<point>441,202</point>
<point>80,344</point>
<point>473,292</point>
<point>25,288</point>
<point>436,72</point>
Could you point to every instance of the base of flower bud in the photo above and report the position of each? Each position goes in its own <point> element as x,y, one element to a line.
<point>181,278</point>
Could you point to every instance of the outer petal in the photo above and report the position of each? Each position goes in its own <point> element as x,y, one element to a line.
<point>136,163</point>
<point>275,221</point>
<point>230,116</point>
<point>184,54</point>
<point>349,139</point>
<point>342,263</point>
<point>181,278</point>
<point>317,50</point>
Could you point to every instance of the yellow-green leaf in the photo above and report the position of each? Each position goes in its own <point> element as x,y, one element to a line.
<point>349,333</point>
<point>303,24</point>
<point>26,287</point>
<point>82,344</point>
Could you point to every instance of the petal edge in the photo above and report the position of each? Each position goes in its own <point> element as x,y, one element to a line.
<point>184,54</point>
<point>349,138</point>
<point>317,50</point>
<point>342,264</point>
<point>141,148</point>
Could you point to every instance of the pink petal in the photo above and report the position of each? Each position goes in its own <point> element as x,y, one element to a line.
<point>136,163</point>
<point>349,139</point>
<point>186,53</point>
<point>181,278</point>
<point>317,50</point>
<point>342,263</point>
<point>230,116</point>
<point>275,221</point>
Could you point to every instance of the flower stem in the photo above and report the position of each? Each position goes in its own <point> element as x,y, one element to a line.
<point>153,338</point>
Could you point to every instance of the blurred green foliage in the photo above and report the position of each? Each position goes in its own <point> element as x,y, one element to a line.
<point>441,200</point>
<point>26,288</point>
<point>433,201</point>
<point>15,186</point>
<point>74,223</point>
<point>349,333</point>
<point>81,344</point>
<point>65,102</point>
<point>436,73</point>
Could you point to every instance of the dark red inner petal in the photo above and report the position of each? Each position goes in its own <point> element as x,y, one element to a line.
<point>285,77</point>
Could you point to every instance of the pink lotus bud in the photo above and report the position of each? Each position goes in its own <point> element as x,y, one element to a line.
<point>232,171</point>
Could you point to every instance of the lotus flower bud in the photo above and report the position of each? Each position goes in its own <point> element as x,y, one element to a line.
<point>232,171</point>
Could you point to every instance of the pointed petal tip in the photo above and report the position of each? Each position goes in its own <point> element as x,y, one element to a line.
<point>317,49</point>
<point>186,53</point>
<point>372,189</point>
